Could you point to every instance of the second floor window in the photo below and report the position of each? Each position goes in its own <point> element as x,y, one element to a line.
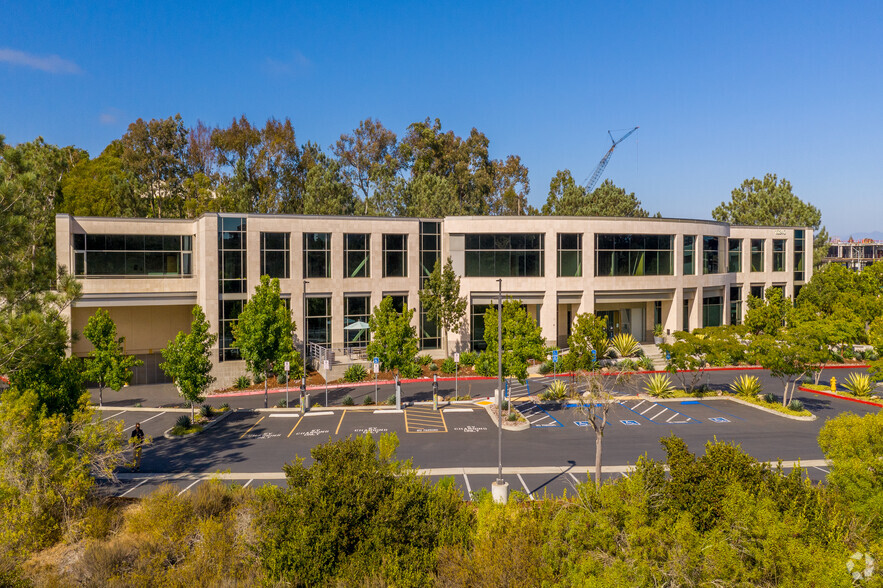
<point>275,254</point>
<point>778,255</point>
<point>757,255</point>
<point>395,256</point>
<point>356,253</point>
<point>317,255</point>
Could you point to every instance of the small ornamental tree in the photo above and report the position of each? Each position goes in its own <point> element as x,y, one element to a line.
<point>788,357</point>
<point>589,332</point>
<point>441,300</point>
<point>687,358</point>
<point>522,339</point>
<point>264,332</point>
<point>767,315</point>
<point>106,364</point>
<point>393,339</point>
<point>188,360</point>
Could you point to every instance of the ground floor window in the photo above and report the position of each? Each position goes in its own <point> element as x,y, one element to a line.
<point>477,327</point>
<point>319,320</point>
<point>228,313</point>
<point>657,313</point>
<point>356,311</point>
<point>430,334</point>
<point>735,305</point>
<point>712,311</point>
<point>686,319</point>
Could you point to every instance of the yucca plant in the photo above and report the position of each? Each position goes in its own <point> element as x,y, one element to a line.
<point>859,384</point>
<point>746,386</point>
<point>556,391</point>
<point>660,386</point>
<point>625,345</point>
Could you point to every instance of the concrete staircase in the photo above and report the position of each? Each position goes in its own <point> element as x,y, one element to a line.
<point>655,355</point>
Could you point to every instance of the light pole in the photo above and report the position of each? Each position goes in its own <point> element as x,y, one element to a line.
<point>303,380</point>
<point>500,489</point>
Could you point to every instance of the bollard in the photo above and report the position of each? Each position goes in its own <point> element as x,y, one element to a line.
<point>306,406</point>
<point>434,392</point>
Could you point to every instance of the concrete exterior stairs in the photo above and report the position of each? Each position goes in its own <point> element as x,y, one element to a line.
<point>655,355</point>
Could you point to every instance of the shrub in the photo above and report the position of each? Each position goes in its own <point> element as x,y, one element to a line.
<point>769,398</point>
<point>546,367</point>
<point>282,378</point>
<point>625,345</point>
<point>355,373</point>
<point>505,405</point>
<point>411,370</point>
<point>469,358</point>
<point>449,366</point>
<point>183,422</point>
<point>424,360</point>
<point>486,365</point>
<point>746,386</point>
<point>556,392</point>
<point>391,400</point>
<point>859,384</point>
<point>512,417</point>
<point>795,405</point>
<point>282,404</point>
<point>433,367</point>
<point>368,401</point>
<point>207,411</point>
<point>243,382</point>
<point>646,363</point>
<point>225,407</point>
<point>627,365</point>
<point>848,353</point>
<point>259,378</point>
<point>348,400</point>
<point>659,385</point>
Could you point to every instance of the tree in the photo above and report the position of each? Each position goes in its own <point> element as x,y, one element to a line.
<point>687,358</point>
<point>511,187</point>
<point>595,397</point>
<point>393,339</point>
<point>589,332</point>
<point>264,333</point>
<point>367,157</point>
<point>788,357</point>
<point>155,153</point>
<point>771,202</point>
<point>429,196</point>
<point>100,187</point>
<point>106,364</point>
<point>767,315</point>
<point>441,299</point>
<point>853,446</point>
<point>566,198</point>
<point>188,359</point>
<point>326,191</point>
<point>56,380</point>
<point>522,339</point>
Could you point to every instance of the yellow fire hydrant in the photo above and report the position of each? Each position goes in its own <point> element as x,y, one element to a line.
<point>833,384</point>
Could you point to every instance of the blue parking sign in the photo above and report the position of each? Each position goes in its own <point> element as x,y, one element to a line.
<point>594,355</point>
<point>555,356</point>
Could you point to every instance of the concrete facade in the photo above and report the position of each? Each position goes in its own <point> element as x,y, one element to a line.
<point>150,309</point>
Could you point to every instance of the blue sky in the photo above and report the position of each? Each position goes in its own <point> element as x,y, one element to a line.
<point>722,91</point>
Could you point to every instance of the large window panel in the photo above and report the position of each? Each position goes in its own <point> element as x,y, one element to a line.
<point>317,255</point>
<point>275,254</point>
<point>570,254</point>
<point>319,320</point>
<point>710,255</point>
<point>357,258</point>
<point>757,255</point>
<point>778,255</point>
<point>509,255</point>
<point>734,255</point>
<point>799,256</point>
<point>633,255</point>
<point>356,312</point>
<point>395,256</point>
<point>689,255</point>
<point>132,255</point>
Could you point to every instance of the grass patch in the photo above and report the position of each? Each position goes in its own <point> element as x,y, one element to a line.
<point>181,431</point>
<point>777,406</point>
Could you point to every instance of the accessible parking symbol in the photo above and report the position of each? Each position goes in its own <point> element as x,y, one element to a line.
<point>718,420</point>
<point>631,423</point>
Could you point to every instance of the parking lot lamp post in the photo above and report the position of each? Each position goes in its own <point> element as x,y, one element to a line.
<point>303,380</point>
<point>500,489</point>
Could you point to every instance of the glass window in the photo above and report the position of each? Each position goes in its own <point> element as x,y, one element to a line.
<point>734,252</point>
<point>757,291</point>
<point>712,311</point>
<point>232,271</point>
<point>710,255</point>
<point>275,254</point>
<point>317,255</point>
<point>319,320</point>
<point>757,255</point>
<point>477,327</point>
<point>430,335</point>
<point>570,254</point>
<point>228,312</point>
<point>356,312</point>
<point>778,255</point>
<point>399,302</point>
<point>510,255</point>
<point>799,256</point>
<point>395,256</point>
<point>634,255</point>
<point>735,305</point>
<point>356,253</point>
<point>430,249</point>
<point>686,318</point>
<point>132,255</point>
<point>657,312</point>
<point>689,255</point>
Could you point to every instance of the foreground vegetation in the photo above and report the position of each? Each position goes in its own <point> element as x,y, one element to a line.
<point>358,516</point>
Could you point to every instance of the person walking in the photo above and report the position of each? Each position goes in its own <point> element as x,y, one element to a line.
<point>136,439</point>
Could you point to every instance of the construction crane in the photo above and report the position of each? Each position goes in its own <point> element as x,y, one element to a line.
<point>604,160</point>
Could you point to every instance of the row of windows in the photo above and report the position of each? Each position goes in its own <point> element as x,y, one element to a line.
<point>133,255</point>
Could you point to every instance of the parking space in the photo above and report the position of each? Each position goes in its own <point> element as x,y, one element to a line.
<point>657,413</point>
<point>153,423</point>
<point>536,415</point>
<point>424,419</point>
<point>718,412</point>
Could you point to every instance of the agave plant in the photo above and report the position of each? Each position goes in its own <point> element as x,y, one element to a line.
<point>859,384</point>
<point>659,385</point>
<point>556,391</point>
<point>746,386</point>
<point>625,345</point>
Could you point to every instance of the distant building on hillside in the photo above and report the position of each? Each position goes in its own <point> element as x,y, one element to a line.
<point>855,255</point>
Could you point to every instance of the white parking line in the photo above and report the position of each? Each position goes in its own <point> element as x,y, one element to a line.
<point>457,410</point>
<point>638,404</point>
<point>110,417</point>
<point>194,483</point>
<point>145,420</point>
<point>574,477</point>
<point>322,413</point>
<point>668,420</point>
<point>247,483</point>
<point>144,481</point>
<point>526,489</point>
<point>659,413</point>
<point>648,409</point>
<point>468,487</point>
<point>821,469</point>
<point>390,411</point>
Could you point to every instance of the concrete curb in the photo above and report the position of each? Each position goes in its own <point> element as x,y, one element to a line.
<point>140,408</point>
<point>518,426</point>
<point>168,435</point>
<point>841,397</point>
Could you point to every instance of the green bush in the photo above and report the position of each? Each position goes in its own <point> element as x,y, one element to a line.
<point>259,378</point>
<point>449,366</point>
<point>625,345</point>
<point>486,365</point>
<point>433,367</point>
<point>556,392</point>
<point>546,367</point>
<point>769,398</point>
<point>512,417</point>
<point>348,400</point>
<point>646,363</point>
<point>355,373</point>
<point>391,400</point>
<point>627,365</point>
<point>225,406</point>
<point>411,370</point>
<point>243,382</point>
<point>368,401</point>
<point>859,384</point>
<point>468,358</point>
<point>183,422</point>
<point>746,385</point>
<point>848,353</point>
<point>282,378</point>
<point>424,359</point>
<point>659,385</point>
<point>282,404</point>
<point>206,411</point>
<point>795,405</point>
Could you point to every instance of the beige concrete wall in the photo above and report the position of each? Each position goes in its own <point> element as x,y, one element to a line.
<point>147,329</point>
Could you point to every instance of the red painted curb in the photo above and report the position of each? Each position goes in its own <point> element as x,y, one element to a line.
<point>321,387</point>
<point>849,398</point>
